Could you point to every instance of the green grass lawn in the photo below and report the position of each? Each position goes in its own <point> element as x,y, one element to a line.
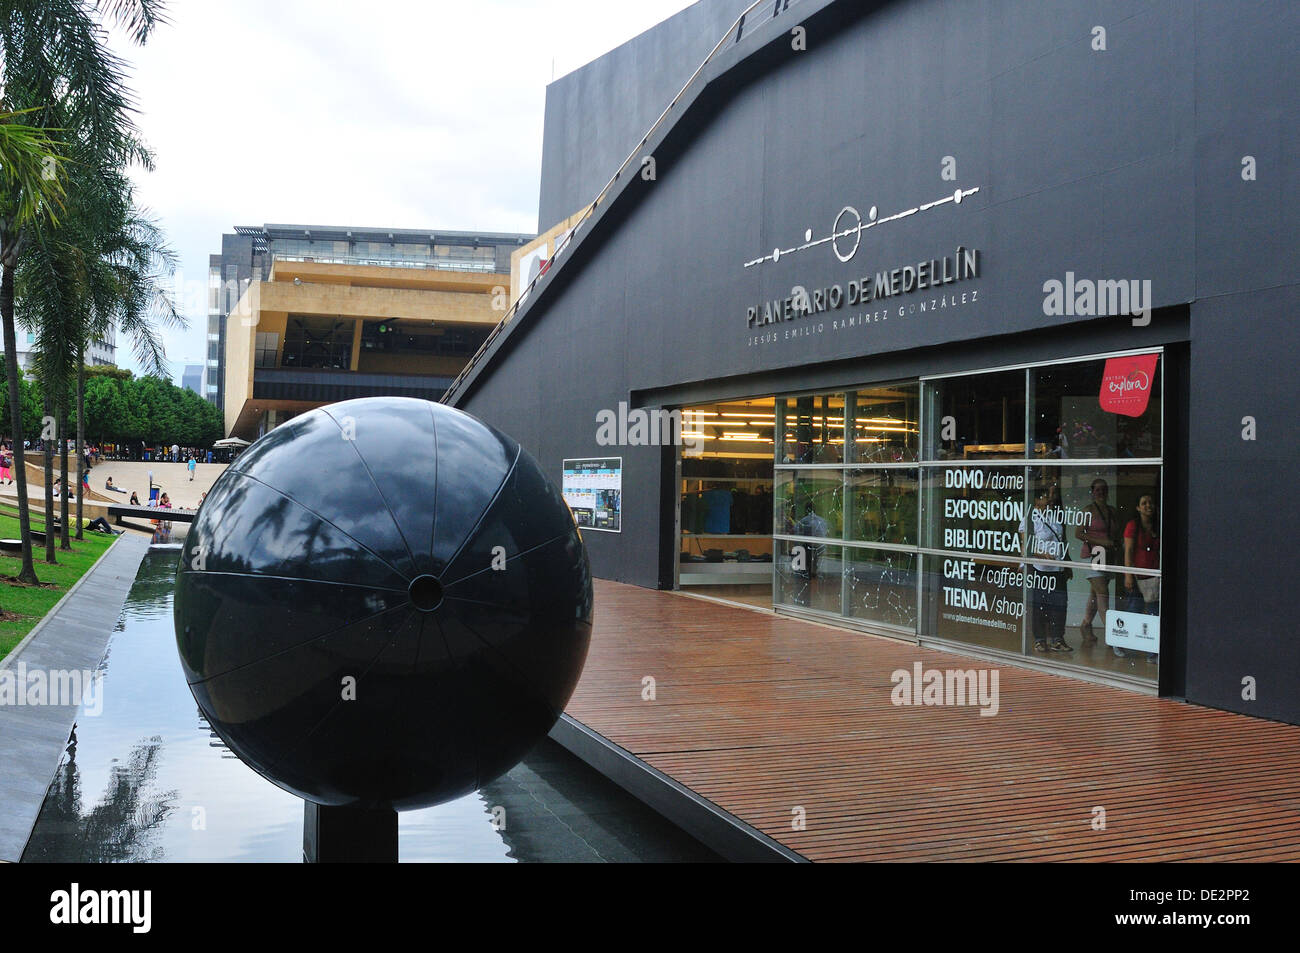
<point>31,603</point>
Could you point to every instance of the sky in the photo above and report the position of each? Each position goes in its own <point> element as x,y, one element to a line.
<point>403,113</point>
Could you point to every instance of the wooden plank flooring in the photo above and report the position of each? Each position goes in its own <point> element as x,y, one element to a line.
<point>762,714</point>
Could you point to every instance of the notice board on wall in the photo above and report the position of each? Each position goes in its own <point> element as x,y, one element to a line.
<point>593,488</point>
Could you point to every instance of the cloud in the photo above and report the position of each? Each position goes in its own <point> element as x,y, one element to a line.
<point>420,115</point>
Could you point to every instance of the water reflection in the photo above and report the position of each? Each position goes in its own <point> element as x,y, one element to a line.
<point>172,791</point>
<point>121,827</point>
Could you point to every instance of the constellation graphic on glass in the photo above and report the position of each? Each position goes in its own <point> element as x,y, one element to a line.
<point>885,589</point>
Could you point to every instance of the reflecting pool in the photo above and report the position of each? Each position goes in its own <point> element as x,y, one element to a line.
<point>146,779</point>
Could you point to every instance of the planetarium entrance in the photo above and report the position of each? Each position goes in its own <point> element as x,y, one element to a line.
<point>725,507</point>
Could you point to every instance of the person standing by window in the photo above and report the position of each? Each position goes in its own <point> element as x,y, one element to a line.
<point>1142,551</point>
<point>1101,534</point>
<point>1044,539</point>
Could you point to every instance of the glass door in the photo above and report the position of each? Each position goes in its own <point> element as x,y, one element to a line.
<point>726,500</point>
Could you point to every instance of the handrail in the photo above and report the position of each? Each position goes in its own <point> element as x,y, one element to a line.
<point>780,7</point>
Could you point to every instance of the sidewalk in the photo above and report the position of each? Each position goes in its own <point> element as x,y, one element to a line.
<point>72,638</point>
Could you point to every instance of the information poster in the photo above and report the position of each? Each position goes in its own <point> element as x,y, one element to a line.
<point>593,488</point>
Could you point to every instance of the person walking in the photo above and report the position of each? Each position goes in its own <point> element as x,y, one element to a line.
<point>6,461</point>
<point>192,466</point>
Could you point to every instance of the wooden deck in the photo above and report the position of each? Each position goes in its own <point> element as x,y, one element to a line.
<point>761,714</point>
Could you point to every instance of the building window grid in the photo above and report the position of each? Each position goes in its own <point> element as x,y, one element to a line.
<point>926,464</point>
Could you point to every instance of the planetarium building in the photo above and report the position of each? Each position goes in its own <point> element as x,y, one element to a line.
<point>962,323</point>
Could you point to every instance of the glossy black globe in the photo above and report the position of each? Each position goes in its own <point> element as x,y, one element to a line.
<point>383,603</point>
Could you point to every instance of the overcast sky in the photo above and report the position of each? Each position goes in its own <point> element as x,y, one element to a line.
<point>405,113</point>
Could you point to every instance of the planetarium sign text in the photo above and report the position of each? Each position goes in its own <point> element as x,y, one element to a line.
<point>935,273</point>
<point>875,293</point>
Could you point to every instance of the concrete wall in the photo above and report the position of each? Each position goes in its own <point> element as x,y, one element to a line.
<point>240,340</point>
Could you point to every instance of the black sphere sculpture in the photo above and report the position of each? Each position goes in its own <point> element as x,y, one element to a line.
<point>383,603</point>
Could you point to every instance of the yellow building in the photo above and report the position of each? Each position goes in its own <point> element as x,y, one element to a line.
<point>531,259</point>
<point>356,314</point>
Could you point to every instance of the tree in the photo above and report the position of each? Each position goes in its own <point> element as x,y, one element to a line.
<point>126,258</point>
<point>106,408</point>
<point>59,74</point>
<point>47,284</point>
<point>29,402</point>
<point>31,191</point>
<point>98,269</point>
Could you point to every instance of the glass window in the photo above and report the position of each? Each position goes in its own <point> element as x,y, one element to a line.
<point>882,506</point>
<point>974,508</point>
<point>811,428</point>
<point>974,600</point>
<point>810,576</point>
<point>1098,409</point>
<point>1016,528</point>
<point>977,417</point>
<point>886,424</point>
<point>810,503</point>
<point>314,342</point>
<point>881,586</point>
<point>268,342</point>
<point>214,290</point>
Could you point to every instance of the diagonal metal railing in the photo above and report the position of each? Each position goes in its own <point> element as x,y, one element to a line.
<point>736,29</point>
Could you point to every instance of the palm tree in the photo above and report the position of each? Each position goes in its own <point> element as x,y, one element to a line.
<point>31,190</point>
<point>99,269</point>
<point>47,285</point>
<point>126,258</point>
<point>55,64</point>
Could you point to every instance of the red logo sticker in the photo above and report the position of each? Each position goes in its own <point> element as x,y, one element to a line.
<point>1126,384</point>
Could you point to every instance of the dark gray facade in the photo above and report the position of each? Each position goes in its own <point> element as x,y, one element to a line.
<point>597,114</point>
<point>1127,162</point>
